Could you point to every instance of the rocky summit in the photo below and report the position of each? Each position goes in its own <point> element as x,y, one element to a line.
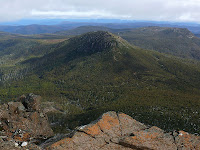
<point>118,131</point>
<point>24,125</point>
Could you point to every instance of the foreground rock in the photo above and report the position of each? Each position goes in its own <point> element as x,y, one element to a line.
<point>119,131</point>
<point>22,123</point>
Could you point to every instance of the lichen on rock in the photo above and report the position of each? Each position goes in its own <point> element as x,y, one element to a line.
<point>120,131</point>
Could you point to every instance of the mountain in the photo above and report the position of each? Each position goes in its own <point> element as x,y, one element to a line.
<point>175,41</point>
<point>89,74</point>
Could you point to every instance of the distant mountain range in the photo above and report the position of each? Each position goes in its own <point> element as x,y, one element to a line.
<point>51,26</point>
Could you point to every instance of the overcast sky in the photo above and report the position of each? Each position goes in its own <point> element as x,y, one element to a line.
<point>157,10</point>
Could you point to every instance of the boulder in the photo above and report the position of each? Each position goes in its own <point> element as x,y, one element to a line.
<point>120,131</point>
<point>24,121</point>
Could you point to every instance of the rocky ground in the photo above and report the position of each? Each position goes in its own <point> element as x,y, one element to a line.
<point>24,125</point>
<point>118,131</point>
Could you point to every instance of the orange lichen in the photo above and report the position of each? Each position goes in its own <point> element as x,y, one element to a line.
<point>93,130</point>
<point>107,129</point>
<point>108,122</point>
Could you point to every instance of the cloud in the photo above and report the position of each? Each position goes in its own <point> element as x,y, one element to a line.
<point>77,14</point>
<point>159,10</point>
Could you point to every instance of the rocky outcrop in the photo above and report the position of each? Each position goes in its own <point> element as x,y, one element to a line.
<point>23,122</point>
<point>120,131</point>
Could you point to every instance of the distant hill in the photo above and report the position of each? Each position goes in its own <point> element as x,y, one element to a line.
<point>176,41</point>
<point>99,71</point>
<point>82,30</point>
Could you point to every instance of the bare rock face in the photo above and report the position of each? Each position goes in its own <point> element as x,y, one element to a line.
<point>120,131</point>
<point>23,121</point>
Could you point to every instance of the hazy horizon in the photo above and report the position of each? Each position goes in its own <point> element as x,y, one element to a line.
<point>46,21</point>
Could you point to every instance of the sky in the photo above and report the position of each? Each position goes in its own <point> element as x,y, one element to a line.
<point>152,10</point>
